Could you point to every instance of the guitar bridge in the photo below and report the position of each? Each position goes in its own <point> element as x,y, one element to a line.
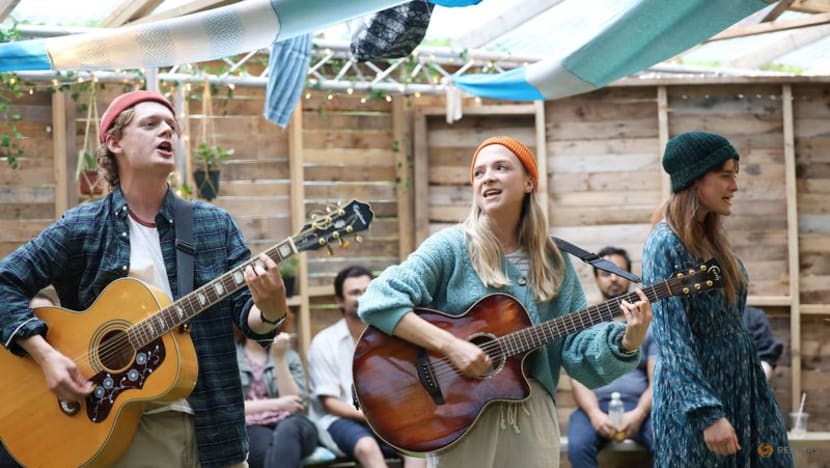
<point>427,377</point>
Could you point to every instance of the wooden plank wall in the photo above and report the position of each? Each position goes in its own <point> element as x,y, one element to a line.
<point>349,153</point>
<point>812,144</point>
<point>27,195</point>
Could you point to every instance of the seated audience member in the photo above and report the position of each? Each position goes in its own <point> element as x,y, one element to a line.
<point>769,349</point>
<point>342,427</point>
<point>40,299</point>
<point>589,427</point>
<point>274,385</point>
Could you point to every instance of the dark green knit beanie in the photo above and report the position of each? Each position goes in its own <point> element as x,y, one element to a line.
<point>689,156</point>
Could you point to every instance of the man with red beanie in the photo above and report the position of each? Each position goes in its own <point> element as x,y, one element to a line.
<point>130,232</point>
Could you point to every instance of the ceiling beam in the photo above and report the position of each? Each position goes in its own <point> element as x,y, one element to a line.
<point>6,7</point>
<point>811,6</point>
<point>503,23</point>
<point>766,28</point>
<point>788,43</point>
<point>194,6</point>
<point>777,10</point>
<point>130,10</point>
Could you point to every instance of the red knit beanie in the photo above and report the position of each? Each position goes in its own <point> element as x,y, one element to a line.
<point>124,102</point>
<point>527,158</point>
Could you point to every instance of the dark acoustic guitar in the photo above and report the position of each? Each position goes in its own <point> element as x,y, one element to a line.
<point>416,401</point>
<point>131,346</point>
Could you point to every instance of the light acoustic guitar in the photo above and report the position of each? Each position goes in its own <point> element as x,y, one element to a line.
<point>132,346</point>
<point>416,401</point>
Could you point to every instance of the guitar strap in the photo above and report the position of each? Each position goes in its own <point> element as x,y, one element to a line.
<point>184,245</point>
<point>595,261</point>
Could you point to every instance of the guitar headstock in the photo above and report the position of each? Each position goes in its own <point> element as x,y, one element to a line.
<point>339,220</point>
<point>702,277</point>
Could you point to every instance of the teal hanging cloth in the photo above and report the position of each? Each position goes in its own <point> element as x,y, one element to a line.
<point>287,70</point>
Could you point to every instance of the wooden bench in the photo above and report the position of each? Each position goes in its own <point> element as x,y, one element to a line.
<point>625,454</point>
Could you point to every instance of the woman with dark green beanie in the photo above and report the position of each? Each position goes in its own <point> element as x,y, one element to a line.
<point>713,406</point>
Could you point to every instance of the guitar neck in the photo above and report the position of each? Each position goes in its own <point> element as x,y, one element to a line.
<point>530,338</point>
<point>187,307</point>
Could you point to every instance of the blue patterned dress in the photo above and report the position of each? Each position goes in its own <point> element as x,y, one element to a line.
<point>707,368</point>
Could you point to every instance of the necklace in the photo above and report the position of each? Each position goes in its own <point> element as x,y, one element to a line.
<point>139,220</point>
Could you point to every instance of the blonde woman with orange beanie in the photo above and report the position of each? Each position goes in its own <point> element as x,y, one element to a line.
<point>503,246</point>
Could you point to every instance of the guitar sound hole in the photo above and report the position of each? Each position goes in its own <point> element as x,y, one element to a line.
<point>115,351</point>
<point>489,345</point>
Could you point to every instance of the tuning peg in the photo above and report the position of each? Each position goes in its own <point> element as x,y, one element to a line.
<point>329,249</point>
<point>344,243</point>
<point>358,239</point>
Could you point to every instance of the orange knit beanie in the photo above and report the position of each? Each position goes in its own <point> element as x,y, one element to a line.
<point>527,158</point>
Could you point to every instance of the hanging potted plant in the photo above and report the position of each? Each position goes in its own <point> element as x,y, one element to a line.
<point>207,172</point>
<point>90,180</point>
<point>209,155</point>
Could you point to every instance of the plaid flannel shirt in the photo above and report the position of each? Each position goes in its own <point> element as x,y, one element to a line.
<point>89,247</point>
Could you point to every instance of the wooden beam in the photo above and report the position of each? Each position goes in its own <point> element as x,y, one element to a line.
<point>504,23</point>
<point>404,153</point>
<point>663,137</point>
<point>777,11</point>
<point>421,177</point>
<point>542,157</point>
<point>766,28</point>
<point>63,139</point>
<point>296,176</point>
<point>6,7</point>
<point>811,6</point>
<point>194,6</point>
<point>792,41</point>
<point>792,242</point>
<point>130,10</point>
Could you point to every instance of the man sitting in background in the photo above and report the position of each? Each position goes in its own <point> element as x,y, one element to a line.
<point>769,349</point>
<point>589,427</point>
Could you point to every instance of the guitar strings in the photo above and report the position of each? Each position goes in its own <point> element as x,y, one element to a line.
<point>443,367</point>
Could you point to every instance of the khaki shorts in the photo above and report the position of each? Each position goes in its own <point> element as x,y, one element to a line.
<point>163,440</point>
<point>522,435</point>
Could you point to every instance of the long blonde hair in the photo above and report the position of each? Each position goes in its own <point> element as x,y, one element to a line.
<point>547,267</point>
<point>703,240</point>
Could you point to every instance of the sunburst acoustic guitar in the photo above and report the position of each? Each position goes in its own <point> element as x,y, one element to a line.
<point>416,401</point>
<point>131,346</point>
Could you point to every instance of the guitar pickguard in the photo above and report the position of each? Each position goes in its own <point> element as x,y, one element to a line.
<point>108,385</point>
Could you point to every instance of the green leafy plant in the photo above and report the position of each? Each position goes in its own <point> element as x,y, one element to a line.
<point>210,158</point>
<point>10,90</point>
<point>289,266</point>
<point>86,162</point>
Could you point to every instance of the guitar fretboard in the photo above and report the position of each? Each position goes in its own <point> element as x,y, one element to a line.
<point>530,338</point>
<point>187,307</point>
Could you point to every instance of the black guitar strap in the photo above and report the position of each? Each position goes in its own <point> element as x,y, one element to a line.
<point>184,245</point>
<point>595,261</point>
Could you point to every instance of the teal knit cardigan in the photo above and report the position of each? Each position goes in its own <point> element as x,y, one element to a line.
<point>439,275</point>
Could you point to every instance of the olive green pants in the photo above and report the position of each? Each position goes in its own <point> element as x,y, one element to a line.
<point>164,440</point>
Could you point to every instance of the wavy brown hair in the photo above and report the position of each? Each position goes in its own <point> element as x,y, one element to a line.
<point>705,239</point>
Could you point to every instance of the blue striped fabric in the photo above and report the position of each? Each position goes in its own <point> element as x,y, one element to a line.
<point>647,33</point>
<point>287,69</point>
<point>24,55</point>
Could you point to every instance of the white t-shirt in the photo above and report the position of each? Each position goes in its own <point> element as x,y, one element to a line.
<point>147,265</point>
